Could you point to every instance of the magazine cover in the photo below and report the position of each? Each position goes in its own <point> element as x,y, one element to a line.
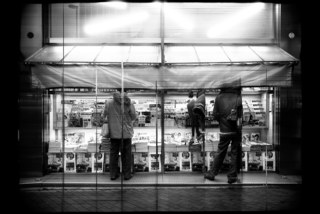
<point>171,162</point>
<point>213,136</point>
<point>141,161</point>
<point>107,162</point>
<point>245,137</point>
<point>154,162</point>
<point>255,161</point>
<point>197,161</point>
<point>74,138</point>
<point>255,137</point>
<point>54,162</point>
<point>97,162</point>
<point>185,161</point>
<point>70,162</point>
<point>209,159</point>
<point>269,161</point>
<point>84,163</point>
<point>244,165</point>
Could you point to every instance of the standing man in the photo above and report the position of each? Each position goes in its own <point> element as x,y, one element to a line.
<point>199,110</point>
<point>193,117</point>
<point>228,112</point>
<point>121,113</point>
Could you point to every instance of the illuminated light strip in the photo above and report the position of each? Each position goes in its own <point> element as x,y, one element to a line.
<point>231,22</point>
<point>178,18</point>
<point>115,4</point>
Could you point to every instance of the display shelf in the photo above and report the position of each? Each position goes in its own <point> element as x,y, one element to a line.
<point>147,127</point>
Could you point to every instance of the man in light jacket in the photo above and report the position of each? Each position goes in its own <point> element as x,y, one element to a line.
<point>121,113</point>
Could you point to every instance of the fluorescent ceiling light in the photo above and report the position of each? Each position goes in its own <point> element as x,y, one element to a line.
<point>179,18</point>
<point>231,22</point>
<point>103,25</point>
<point>115,4</point>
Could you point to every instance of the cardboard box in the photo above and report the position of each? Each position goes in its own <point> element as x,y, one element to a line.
<point>97,162</point>
<point>185,161</point>
<point>70,162</point>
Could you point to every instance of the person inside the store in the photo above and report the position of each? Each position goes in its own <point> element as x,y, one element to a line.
<point>228,111</point>
<point>199,111</point>
<point>121,132</point>
<point>193,117</point>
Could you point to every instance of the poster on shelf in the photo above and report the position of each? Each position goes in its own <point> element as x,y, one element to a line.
<point>269,160</point>
<point>171,161</point>
<point>54,162</point>
<point>244,165</point>
<point>141,161</point>
<point>86,121</point>
<point>209,159</point>
<point>74,138</point>
<point>106,161</point>
<point>197,161</point>
<point>245,137</point>
<point>84,163</point>
<point>255,136</point>
<point>154,162</point>
<point>213,136</point>
<point>70,162</point>
<point>255,161</point>
<point>97,162</point>
<point>185,161</point>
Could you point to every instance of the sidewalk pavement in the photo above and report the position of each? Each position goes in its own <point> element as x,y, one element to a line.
<point>161,199</point>
<point>153,192</point>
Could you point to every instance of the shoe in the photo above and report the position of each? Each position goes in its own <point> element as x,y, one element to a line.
<point>128,178</point>
<point>232,180</point>
<point>114,177</point>
<point>209,176</point>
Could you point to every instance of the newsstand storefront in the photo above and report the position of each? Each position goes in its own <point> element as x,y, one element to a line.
<point>157,53</point>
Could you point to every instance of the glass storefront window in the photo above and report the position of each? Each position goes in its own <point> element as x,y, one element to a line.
<point>157,54</point>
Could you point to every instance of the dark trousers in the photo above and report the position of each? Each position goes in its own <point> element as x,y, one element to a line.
<point>225,140</point>
<point>125,156</point>
<point>195,125</point>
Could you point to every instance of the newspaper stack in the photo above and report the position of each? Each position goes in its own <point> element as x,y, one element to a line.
<point>141,147</point>
<point>93,147</point>
<point>81,149</point>
<point>105,144</point>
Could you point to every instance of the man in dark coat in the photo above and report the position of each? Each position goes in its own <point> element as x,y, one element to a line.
<point>227,101</point>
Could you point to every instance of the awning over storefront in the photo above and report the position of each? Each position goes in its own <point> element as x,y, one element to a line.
<point>185,67</point>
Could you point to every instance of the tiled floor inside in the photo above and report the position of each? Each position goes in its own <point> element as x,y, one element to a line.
<point>156,178</point>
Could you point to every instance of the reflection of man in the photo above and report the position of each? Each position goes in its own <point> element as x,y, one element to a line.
<point>230,131</point>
